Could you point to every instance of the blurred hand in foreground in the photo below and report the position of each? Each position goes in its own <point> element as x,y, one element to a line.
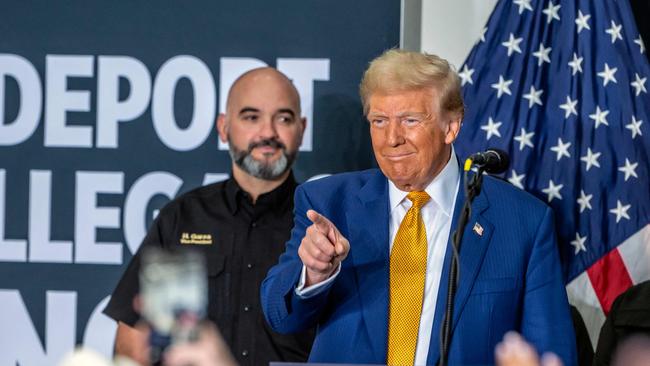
<point>208,350</point>
<point>515,351</point>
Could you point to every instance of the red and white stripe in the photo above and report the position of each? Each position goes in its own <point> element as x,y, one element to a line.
<point>594,291</point>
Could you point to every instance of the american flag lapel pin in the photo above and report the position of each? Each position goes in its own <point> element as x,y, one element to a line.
<point>478,229</point>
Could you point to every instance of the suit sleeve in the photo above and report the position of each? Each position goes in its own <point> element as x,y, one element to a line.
<point>546,319</point>
<point>283,309</point>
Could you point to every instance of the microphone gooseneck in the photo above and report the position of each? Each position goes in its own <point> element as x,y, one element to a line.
<point>493,161</point>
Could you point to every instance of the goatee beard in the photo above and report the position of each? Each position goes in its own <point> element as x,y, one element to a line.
<point>261,169</point>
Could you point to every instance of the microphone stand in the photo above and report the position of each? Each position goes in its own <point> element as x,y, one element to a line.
<point>472,189</point>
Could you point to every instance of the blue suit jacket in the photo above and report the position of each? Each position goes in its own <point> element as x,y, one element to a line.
<point>510,277</point>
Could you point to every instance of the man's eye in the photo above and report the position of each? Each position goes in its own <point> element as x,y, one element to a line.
<point>378,122</point>
<point>250,117</point>
<point>410,121</point>
<point>286,119</point>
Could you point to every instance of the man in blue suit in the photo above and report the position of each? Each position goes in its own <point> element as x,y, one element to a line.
<point>350,268</point>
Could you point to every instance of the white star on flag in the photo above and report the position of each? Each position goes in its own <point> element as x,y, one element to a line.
<point>579,243</point>
<point>600,117</point>
<point>608,74</point>
<point>491,128</point>
<point>620,211</point>
<point>615,31</point>
<point>523,4</point>
<point>542,55</point>
<point>553,191</point>
<point>584,200</point>
<point>483,34</point>
<point>524,139</point>
<point>635,127</point>
<point>591,159</point>
<point>551,12</point>
<point>561,149</point>
<point>569,107</point>
<point>582,21</point>
<point>516,179</point>
<point>533,96</point>
<point>466,75</point>
<point>576,64</point>
<point>639,84</point>
<point>503,86</point>
<point>639,41</point>
<point>512,44</point>
<point>629,169</point>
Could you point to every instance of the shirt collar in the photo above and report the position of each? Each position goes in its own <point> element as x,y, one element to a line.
<point>442,188</point>
<point>274,199</point>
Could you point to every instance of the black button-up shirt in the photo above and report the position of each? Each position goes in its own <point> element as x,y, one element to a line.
<point>246,240</point>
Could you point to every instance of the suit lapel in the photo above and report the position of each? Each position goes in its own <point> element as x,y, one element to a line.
<point>476,239</point>
<point>367,221</point>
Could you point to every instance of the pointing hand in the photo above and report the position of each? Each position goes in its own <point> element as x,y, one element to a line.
<point>322,248</point>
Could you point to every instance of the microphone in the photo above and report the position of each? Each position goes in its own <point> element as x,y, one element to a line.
<point>493,161</point>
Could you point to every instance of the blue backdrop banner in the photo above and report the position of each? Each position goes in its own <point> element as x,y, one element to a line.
<point>107,111</point>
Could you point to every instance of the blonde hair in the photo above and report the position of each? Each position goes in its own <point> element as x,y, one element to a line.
<point>399,70</point>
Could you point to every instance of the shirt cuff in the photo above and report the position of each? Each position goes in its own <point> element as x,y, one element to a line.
<point>313,290</point>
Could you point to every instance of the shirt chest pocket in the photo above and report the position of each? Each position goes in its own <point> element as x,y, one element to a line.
<point>220,283</point>
<point>216,266</point>
<point>219,293</point>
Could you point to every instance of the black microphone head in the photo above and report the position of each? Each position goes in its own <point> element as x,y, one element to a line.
<point>498,161</point>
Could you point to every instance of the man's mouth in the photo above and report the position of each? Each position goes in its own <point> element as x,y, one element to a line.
<point>266,150</point>
<point>398,156</point>
<point>268,146</point>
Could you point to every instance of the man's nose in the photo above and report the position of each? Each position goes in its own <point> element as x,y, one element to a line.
<point>394,133</point>
<point>268,129</point>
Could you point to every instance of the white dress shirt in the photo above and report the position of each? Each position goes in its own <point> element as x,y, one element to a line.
<point>437,215</point>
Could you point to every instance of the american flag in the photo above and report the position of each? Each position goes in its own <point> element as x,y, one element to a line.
<point>563,87</point>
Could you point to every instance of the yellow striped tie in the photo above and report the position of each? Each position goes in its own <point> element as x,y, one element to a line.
<point>408,267</point>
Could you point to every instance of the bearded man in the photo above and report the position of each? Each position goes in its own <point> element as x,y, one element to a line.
<point>246,220</point>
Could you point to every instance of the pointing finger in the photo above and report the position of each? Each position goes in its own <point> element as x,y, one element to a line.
<point>321,222</point>
<point>324,225</point>
<point>327,228</point>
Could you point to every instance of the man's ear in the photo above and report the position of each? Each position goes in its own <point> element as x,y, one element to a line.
<point>303,121</point>
<point>453,127</point>
<point>222,127</point>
